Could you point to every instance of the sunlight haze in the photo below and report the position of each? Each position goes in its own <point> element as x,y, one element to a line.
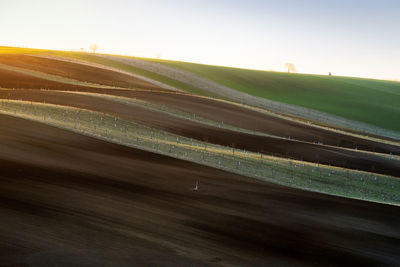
<point>351,38</point>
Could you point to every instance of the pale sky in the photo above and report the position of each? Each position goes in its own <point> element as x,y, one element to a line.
<point>347,37</point>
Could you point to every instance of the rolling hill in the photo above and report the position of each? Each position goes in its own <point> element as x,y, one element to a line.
<point>99,158</point>
<point>374,102</point>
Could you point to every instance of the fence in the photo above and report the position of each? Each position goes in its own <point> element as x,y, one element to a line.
<point>313,177</point>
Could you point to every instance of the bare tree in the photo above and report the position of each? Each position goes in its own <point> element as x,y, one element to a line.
<point>290,67</point>
<point>94,47</point>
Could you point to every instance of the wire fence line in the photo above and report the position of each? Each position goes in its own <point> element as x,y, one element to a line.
<point>313,177</point>
<point>240,97</point>
<point>174,112</point>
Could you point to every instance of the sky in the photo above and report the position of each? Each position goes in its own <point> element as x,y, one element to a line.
<point>346,37</point>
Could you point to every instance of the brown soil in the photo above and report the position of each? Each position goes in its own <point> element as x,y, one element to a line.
<point>15,80</point>
<point>256,121</point>
<point>75,71</point>
<point>67,199</point>
<point>215,110</point>
<point>284,148</point>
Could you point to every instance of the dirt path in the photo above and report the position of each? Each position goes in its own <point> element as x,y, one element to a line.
<point>68,199</point>
<point>268,145</point>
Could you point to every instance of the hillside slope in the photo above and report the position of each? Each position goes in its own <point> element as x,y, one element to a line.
<point>98,203</point>
<point>365,105</point>
<point>98,169</point>
<point>371,101</point>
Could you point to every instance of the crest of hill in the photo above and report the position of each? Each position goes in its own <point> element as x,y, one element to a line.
<point>374,102</point>
<point>370,101</point>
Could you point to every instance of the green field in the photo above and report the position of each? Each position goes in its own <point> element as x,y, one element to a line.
<point>374,102</point>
